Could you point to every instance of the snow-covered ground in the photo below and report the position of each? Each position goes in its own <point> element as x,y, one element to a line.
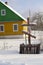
<point>21,59</point>
<point>12,46</point>
<point>9,54</point>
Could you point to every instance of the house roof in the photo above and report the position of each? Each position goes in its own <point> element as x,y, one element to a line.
<point>13,10</point>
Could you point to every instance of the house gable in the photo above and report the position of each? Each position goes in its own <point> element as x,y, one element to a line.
<point>10,15</point>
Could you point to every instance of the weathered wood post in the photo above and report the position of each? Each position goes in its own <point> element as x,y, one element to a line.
<point>28,29</point>
<point>29,38</point>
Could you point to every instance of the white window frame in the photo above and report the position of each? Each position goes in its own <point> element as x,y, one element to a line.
<point>3,27</point>
<point>13,28</point>
<point>2,13</point>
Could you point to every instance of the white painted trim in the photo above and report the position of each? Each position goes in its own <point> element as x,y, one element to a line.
<point>13,28</point>
<point>4,11</point>
<point>13,10</point>
<point>3,27</point>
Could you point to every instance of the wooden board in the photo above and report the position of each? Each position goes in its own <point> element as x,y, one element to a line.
<point>27,33</point>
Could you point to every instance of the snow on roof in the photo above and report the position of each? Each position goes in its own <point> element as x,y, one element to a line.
<point>13,10</point>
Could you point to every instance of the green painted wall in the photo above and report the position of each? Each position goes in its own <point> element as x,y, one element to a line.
<point>10,15</point>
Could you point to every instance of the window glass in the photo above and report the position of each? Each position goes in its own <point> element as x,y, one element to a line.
<point>15,27</point>
<point>3,12</point>
<point>1,28</point>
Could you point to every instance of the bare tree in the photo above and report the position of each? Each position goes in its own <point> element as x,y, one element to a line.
<point>38,19</point>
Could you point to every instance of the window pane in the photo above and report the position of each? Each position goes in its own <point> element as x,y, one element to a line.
<point>3,12</point>
<point>15,27</point>
<point>1,28</point>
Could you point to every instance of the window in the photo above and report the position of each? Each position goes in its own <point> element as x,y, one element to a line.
<point>3,12</point>
<point>15,27</point>
<point>1,28</point>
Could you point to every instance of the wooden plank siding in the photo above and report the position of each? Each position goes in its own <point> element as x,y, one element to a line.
<point>8,28</point>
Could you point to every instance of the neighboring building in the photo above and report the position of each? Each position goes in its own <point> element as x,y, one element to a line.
<point>10,21</point>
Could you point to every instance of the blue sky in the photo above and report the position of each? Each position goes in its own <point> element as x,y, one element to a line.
<point>23,6</point>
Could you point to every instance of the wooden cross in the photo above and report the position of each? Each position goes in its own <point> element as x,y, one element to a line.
<point>28,33</point>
